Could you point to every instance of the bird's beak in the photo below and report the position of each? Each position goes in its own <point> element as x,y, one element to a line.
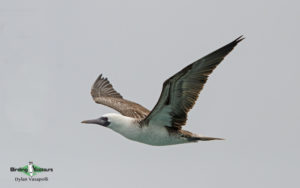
<point>98,121</point>
<point>91,121</point>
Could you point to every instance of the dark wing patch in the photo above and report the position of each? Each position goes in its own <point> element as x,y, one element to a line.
<point>181,91</point>
<point>104,93</point>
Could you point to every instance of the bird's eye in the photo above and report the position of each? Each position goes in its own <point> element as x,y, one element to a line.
<point>104,121</point>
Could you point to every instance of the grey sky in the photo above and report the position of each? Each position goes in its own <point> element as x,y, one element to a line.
<point>51,52</point>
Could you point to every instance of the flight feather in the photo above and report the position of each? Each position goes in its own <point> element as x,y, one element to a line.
<point>180,92</point>
<point>103,93</point>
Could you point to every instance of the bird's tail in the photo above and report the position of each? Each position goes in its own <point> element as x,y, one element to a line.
<point>203,138</point>
<point>196,137</point>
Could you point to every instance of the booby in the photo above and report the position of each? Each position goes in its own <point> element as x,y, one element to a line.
<point>163,124</point>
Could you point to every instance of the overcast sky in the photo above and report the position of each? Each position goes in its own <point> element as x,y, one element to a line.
<point>51,51</point>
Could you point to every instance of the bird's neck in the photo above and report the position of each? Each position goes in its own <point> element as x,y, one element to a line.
<point>125,126</point>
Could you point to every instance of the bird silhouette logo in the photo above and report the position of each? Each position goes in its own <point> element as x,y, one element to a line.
<point>30,169</point>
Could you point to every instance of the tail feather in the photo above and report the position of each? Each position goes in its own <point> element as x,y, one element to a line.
<point>195,137</point>
<point>204,138</point>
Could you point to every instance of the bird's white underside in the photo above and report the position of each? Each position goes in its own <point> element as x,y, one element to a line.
<point>152,134</point>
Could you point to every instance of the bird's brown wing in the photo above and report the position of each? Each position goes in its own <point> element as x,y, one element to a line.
<point>180,92</point>
<point>104,93</point>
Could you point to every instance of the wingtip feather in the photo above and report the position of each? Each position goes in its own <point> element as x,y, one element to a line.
<point>239,39</point>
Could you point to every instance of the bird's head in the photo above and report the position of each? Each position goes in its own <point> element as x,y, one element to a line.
<point>103,120</point>
<point>112,121</point>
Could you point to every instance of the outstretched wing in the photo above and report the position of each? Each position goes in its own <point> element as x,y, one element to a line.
<point>104,93</point>
<point>181,90</point>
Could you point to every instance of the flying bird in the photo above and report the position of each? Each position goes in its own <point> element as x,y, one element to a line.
<point>163,124</point>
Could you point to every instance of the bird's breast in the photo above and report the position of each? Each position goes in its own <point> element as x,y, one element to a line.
<point>153,135</point>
